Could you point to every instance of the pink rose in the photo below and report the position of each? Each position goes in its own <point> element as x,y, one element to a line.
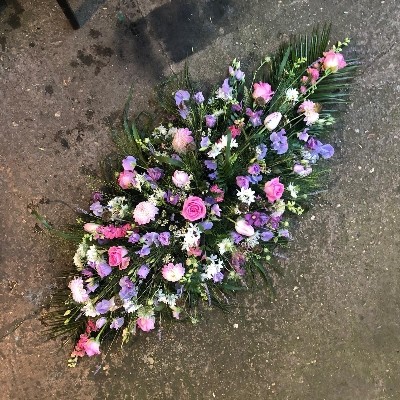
<point>193,208</point>
<point>117,257</point>
<point>262,92</point>
<point>92,347</point>
<point>144,212</point>
<point>243,228</point>
<point>182,138</point>
<point>172,272</point>
<point>180,178</point>
<point>333,61</point>
<point>273,189</point>
<point>146,323</point>
<point>126,179</point>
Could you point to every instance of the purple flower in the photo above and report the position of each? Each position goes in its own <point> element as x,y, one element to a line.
<point>91,287</point>
<point>312,143</point>
<point>103,269</point>
<point>151,238</point>
<point>199,98</point>
<point>183,111</point>
<point>104,306</point>
<point>129,163</point>
<point>254,169</point>
<point>216,210</point>
<point>267,236</point>
<point>243,182</point>
<point>300,170</point>
<point>254,179</point>
<point>100,322</point>
<point>97,196</point>
<point>207,225</point>
<point>144,251</point>
<point>210,121</point>
<point>213,176</point>
<point>97,209</point>
<point>274,222</point>
<point>128,288</point>
<point>134,238</point>
<point>205,141</point>
<point>237,107</point>
<point>155,173</point>
<point>181,96</point>
<point>256,218</point>
<point>225,91</point>
<point>255,116</point>
<point>209,200</point>
<point>117,323</point>
<point>325,150</point>
<point>218,277</point>
<point>210,164</point>
<point>164,238</point>
<point>171,198</point>
<point>239,75</point>
<point>303,135</point>
<point>279,141</point>
<point>237,238</point>
<point>261,151</point>
<point>143,271</point>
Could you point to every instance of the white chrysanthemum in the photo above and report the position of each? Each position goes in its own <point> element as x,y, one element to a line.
<point>292,95</point>
<point>293,190</point>
<point>225,246</point>
<point>246,196</point>
<point>253,240</point>
<point>213,266</point>
<point>89,310</point>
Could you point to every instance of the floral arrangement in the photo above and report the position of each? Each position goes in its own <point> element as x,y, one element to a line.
<point>197,205</point>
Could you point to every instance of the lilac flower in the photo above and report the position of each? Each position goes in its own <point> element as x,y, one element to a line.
<point>103,269</point>
<point>239,75</point>
<point>171,198</point>
<point>97,209</point>
<point>181,96</point>
<point>237,107</point>
<point>97,196</point>
<point>256,218</point>
<point>91,287</point>
<point>199,98</point>
<point>210,164</point>
<point>205,142</point>
<point>237,238</point>
<point>267,236</point>
<point>225,91</point>
<point>129,163</point>
<point>218,277</point>
<point>176,157</point>
<point>100,322</point>
<point>274,222</point>
<point>261,151</point>
<point>104,306</point>
<point>300,170</point>
<point>183,111</point>
<point>144,251</point>
<point>134,238</point>
<point>207,225</point>
<point>117,323</point>
<point>213,176</point>
<point>312,143</point>
<point>143,271</point>
<point>254,169</point>
<point>325,150</point>
<point>211,120</point>
<point>164,238</point>
<point>216,210</point>
<point>155,173</point>
<point>254,116</point>
<point>128,288</point>
<point>243,182</point>
<point>279,141</point>
<point>151,238</point>
<point>284,233</point>
<point>254,179</point>
<point>303,135</point>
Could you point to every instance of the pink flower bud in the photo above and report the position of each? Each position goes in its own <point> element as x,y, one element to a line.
<point>243,228</point>
<point>272,120</point>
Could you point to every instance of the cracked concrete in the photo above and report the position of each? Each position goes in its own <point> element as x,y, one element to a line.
<point>333,331</point>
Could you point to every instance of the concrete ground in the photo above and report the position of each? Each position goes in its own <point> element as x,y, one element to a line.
<point>333,332</point>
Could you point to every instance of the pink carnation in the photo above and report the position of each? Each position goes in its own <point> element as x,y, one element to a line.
<point>309,108</point>
<point>273,189</point>
<point>92,347</point>
<point>173,272</point>
<point>127,179</point>
<point>333,61</point>
<point>193,208</point>
<point>146,323</point>
<point>145,212</point>
<point>114,232</point>
<point>117,257</point>
<point>262,91</point>
<point>182,138</point>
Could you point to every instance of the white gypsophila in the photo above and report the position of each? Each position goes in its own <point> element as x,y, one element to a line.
<point>191,237</point>
<point>157,197</point>
<point>131,306</point>
<point>89,310</point>
<point>171,132</point>
<point>292,95</point>
<point>213,266</point>
<point>215,151</point>
<point>118,207</point>
<point>93,254</point>
<point>246,196</point>
<point>160,132</point>
<point>253,240</point>
<point>169,299</point>
<point>308,156</point>
<point>293,190</point>
<point>225,246</point>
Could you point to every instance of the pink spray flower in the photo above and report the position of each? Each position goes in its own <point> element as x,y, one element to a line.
<point>117,257</point>
<point>146,323</point>
<point>173,272</point>
<point>144,212</point>
<point>333,61</point>
<point>193,208</point>
<point>92,347</point>
<point>273,189</point>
